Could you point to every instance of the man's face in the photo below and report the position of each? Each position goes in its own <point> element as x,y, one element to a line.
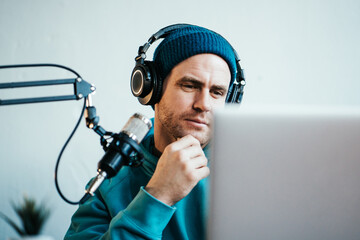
<point>192,90</point>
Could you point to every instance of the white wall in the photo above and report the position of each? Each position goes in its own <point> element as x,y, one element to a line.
<point>293,52</point>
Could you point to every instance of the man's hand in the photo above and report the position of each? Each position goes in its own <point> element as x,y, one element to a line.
<point>181,166</point>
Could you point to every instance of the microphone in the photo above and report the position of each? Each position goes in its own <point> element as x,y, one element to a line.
<point>123,150</point>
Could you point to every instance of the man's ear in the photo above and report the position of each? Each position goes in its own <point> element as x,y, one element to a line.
<point>155,106</point>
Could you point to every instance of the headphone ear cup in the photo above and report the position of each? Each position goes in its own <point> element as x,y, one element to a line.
<point>144,83</point>
<point>157,87</point>
<point>236,90</point>
<point>230,94</point>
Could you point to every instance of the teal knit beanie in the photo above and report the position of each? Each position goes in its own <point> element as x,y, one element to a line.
<point>188,41</point>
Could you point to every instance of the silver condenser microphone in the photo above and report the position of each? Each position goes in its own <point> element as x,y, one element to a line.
<point>123,150</point>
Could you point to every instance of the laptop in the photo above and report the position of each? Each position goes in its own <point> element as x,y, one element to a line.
<point>285,173</point>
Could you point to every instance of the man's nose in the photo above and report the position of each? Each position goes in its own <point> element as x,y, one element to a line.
<point>202,101</point>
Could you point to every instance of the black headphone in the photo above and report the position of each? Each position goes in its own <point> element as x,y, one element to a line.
<point>146,85</point>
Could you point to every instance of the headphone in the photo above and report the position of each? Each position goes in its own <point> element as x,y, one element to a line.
<point>146,85</point>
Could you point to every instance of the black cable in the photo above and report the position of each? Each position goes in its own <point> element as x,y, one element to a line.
<point>40,65</point>
<point>61,152</point>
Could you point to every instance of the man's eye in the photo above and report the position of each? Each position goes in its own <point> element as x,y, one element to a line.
<point>188,87</point>
<point>218,93</point>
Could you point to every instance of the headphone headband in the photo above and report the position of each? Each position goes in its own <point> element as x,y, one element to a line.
<point>162,33</point>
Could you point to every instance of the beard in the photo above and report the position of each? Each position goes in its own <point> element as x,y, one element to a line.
<point>176,126</point>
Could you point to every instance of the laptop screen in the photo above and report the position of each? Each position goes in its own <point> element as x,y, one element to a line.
<point>285,173</point>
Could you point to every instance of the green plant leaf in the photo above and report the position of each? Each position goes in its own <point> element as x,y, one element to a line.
<point>33,216</point>
<point>12,224</point>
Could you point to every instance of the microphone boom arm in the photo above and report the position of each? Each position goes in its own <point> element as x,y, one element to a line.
<point>81,89</point>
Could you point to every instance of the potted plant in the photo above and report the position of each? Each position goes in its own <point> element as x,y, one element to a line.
<point>32,216</point>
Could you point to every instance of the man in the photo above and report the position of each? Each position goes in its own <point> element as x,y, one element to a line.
<point>166,196</point>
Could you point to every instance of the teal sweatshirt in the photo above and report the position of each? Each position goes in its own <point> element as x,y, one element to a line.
<point>122,209</point>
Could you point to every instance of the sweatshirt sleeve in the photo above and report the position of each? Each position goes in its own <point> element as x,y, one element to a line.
<point>144,218</point>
